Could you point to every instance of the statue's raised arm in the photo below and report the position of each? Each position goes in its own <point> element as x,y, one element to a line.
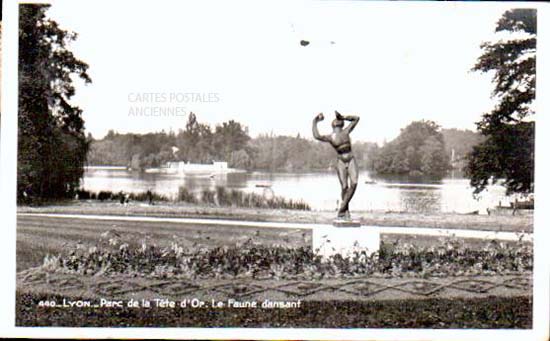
<point>352,118</point>
<point>316,134</point>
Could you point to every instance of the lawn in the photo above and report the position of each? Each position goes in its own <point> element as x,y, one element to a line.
<point>38,237</point>
<point>522,222</point>
<point>491,312</point>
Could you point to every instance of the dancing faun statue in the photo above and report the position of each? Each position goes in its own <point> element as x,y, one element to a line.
<point>346,165</point>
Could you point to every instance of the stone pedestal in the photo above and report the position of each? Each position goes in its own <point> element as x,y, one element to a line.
<point>346,223</point>
<point>330,240</point>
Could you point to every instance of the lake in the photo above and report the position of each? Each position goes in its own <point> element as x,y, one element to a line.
<point>320,190</point>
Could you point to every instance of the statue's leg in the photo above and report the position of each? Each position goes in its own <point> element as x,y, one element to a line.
<point>353,173</point>
<point>342,170</point>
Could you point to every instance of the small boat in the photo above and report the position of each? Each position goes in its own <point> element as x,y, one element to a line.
<point>370,182</point>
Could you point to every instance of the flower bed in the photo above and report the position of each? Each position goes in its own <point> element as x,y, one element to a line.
<point>449,257</point>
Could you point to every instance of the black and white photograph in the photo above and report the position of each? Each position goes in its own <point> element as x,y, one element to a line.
<point>270,166</point>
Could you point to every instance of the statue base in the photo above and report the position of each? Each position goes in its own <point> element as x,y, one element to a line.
<point>342,222</point>
<point>331,240</point>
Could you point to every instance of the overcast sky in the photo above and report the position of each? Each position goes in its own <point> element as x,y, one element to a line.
<point>390,63</point>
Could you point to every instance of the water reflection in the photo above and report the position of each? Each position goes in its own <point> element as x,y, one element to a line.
<point>408,179</point>
<point>319,190</point>
<point>418,199</point>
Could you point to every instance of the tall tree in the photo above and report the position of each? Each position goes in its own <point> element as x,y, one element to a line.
<point>508,150</point>
<point>419,149</point>
<point>195,143</point>
<point>52,143</point>
<point>229,137</point>
<point>433,158</point>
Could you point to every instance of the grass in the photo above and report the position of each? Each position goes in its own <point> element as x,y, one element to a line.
<point>479,313</point>
<point>38,237</point>
<point>518,223</point>
<point>41,236</point>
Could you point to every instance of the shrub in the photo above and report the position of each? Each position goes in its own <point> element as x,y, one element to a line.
<point>220,196</point>
<point>451,257</point>
<point>185,196</point>
<point>223,197</point>
<point>208,197</point>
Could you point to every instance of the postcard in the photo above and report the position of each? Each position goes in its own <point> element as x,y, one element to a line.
<point>275,170</point>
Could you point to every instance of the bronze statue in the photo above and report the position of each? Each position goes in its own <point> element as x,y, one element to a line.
<point>346,165</point>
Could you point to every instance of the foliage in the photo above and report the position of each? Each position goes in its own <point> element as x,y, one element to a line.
<point>147,150</point>
<point>197,143</point>
<point>418,150</point>
<point>184,195</point>
<point>235,198</point>
<point>290,153</point>
<point>507,155</point>
<point>460,143</point>
<point>82,194</point>
<point>183,258</point>
<point>51,140</point>
<point>217,197</point>
<point>265,152</point>
<point>508,151</point>
<point>229,141</point>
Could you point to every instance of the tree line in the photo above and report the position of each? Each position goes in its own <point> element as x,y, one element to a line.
<point>418,150</point>
<point>421,148</point>
<point>197,143</point>
<point>229,141</point>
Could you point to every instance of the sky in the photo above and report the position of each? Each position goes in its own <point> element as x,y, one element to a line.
<point>152,63</point>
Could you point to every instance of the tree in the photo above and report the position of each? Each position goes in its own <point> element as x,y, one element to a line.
<point>433,158</point>
<point>239,159</point>
<point>52,143</point>
<point>419,149</point>
<point>460,143</point>
<point>508,150</point>
<point>229,137</point>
